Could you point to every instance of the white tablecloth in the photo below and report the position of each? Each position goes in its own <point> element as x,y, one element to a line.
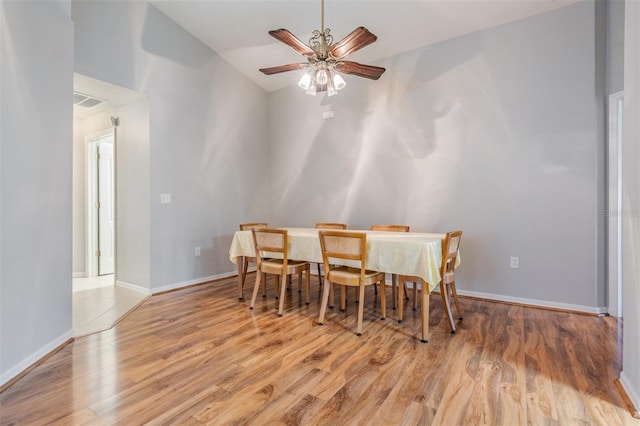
<point>406,253</point>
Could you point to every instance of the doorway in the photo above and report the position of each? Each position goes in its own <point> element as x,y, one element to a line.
<point>99,298</point>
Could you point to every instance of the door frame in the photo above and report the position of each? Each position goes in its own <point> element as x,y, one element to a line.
<point>91,181</point>
<point>614,203</point>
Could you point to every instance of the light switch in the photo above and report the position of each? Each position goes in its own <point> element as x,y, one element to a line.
<point>165,198</point>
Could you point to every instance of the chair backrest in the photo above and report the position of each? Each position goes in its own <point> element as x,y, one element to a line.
<point>248,226</point>
<point>345,246</point>
<point>450,248</point>
<point>392,228</point>
<point>330,225</point>
<point>270,240</point>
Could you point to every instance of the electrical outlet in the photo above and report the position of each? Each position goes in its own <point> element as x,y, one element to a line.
<point>197,251</point>
<point>514,262</point>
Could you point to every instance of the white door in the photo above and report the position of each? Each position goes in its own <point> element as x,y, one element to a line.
<point>106,214</point>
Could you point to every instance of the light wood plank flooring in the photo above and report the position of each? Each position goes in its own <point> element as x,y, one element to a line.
<point>199,356</point>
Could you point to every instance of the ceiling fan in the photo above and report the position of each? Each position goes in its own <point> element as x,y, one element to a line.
<point>325,59</point>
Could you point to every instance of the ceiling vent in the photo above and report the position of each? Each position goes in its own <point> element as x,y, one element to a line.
<point>85,101</point>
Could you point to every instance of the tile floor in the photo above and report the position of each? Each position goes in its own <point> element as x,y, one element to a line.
<point>98,304</point>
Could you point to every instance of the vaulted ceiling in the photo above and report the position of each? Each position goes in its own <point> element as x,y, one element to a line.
<point>238,29</point>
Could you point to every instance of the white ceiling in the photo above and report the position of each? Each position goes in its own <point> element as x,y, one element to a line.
<point>112,96</point>
<point>238,29</point>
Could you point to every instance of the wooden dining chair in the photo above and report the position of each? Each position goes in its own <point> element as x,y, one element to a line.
<point>394,277</point>
<point>340,247</point>
<point>450,247</point>
<point>246,259</point>
<point>275,243</point>
<point>328,225</point>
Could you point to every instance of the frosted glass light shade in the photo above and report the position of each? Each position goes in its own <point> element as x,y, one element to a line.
<point>338,81</point>
<point>331,89</point>
<point>312,88</point>
<point>305,81</point>
<point>322,77</point>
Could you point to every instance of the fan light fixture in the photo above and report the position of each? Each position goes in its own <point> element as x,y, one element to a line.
<point>325,59</point>
<point>323,76</point>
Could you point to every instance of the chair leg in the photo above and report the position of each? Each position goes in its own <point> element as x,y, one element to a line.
<point>360,310</point>
<point>264,279</point>
<point>394,289</point>
<point>406,296</point>
<point>256,287</point>
<point>319,274</point>
<point>300,282</point>
<point>455,299</point>
<point>383,299</point>
<point>425,313</point>
<point>325,301</point>
<point>444,294</point>
<point>331,296</point>
<point>307,284</point>
<point>245,266</point>
<point>283,292</point>
<point>277,286</point>
<point>343,298</point>
<point>415,295</point>
<point>402,285</point>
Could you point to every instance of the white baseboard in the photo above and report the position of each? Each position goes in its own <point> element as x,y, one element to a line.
<point>133,287</point>
<point>194,282</point>
<point>534,302</point>
<point>632,393</point>
<point>79,275</point>
<point>34,357</point>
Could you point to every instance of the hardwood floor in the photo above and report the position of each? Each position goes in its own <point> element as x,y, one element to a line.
<point>199,356</point>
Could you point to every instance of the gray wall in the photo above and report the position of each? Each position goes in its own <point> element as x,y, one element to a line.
<point>615,45</point>
<point>79,219</point>
<point>208,132</point>
<point>133,195</point>
<point>35,215</point>
<point>630,375</point>
<point>498,133</point>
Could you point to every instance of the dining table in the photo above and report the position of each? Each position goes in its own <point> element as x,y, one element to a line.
<point>414,254</point>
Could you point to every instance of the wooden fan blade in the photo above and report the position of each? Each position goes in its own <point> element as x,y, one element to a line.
<point>292,41</point>
<point>366,71</point>
<point>359,38</point>
<point>284,68</point>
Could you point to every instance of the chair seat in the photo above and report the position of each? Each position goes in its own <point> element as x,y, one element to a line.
<point>351,276</point>
<point>274,266</point>
<point>278,263</point>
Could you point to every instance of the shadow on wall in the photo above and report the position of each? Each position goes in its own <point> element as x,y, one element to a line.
<point>374,161</point>
<point>416,101</point>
